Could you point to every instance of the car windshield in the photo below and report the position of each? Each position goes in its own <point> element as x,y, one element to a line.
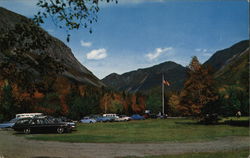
<point>13,120</point>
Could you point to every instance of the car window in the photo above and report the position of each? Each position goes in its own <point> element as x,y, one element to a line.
<point>13,120</point>
<point>41,121</point>
<point>50,121</point>
<point>32,122</point>
<point>22,121</point>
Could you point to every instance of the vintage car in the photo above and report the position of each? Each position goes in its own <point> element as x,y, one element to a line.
<point>40,125</point>
<point>65,120</point>
<point>9,124</point>
<point>104,119</point>
<point>122,118</point>
<point>137,117</point>
<point>88,120</point>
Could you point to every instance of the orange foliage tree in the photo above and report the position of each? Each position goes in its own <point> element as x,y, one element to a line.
<point>198,94</point>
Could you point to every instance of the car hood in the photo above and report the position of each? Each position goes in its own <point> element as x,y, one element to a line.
<point>6,125</point>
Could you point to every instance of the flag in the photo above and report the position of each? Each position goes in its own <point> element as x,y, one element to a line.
<point>166,82</point>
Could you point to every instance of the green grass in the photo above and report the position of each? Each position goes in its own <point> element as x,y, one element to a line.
<point>172,130</point>
<point>223,154</point>
<point>235,119</point>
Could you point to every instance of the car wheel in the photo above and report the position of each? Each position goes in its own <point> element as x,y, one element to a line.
<point>27,131</point>
<point>60,130</point>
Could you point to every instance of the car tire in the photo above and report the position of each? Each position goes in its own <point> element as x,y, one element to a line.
<point>27,131</point>
<point>60,130</point>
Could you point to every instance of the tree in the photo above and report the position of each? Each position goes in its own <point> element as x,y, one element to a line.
<point>50,104</point>
<point>199,93</point>
<point>154,103</point>
<point>174,105</point>
<point>233,99</point>
<point>8,106</point>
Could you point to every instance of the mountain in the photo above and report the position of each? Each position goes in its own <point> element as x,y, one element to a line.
<point>220,58</point>
<point>235,71</point>
<point>228,64</point>
<point>56,49</point>
<point>231,64</point>
<point>143,80</point>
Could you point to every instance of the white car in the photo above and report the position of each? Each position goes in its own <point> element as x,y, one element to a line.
<point>122,118</point>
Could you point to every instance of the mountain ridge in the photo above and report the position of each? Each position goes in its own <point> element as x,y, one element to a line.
<point>217,61</point>
<point>142,79</point>
<point>55,49</point>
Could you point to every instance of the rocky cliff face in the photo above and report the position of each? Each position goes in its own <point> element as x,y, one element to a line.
<point>55,49</point>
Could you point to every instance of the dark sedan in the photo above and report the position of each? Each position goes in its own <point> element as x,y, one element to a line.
<point>40,125</point>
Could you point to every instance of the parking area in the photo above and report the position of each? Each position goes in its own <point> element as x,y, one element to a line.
<point>14,146</point>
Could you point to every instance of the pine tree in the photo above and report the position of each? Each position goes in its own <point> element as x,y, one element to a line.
<point>198,94</point>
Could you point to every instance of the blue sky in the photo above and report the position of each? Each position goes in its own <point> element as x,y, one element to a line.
<point>141,33</point>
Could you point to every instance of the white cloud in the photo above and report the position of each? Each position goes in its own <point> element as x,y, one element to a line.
<point>97,54</point>
<point>85,44</point>
<point>201,50</point>
<point>158,52</point>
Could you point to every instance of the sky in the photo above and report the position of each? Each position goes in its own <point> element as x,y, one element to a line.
<point>137,34</point>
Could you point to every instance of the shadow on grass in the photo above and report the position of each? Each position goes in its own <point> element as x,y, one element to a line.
<point>187,123</point>
<point>240,123</point>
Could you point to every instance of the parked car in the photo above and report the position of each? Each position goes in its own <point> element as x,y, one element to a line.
<point>122,118</point>
<point>162,116</point>
<point>67,121</point>
<point>25,115</point>
<point>9,124</point>
<point>87,120</point>
<point>111,115</point>
<point>40,125</point>
<point>104,119</point>
<point>150,116</point>
<point>137,117</point>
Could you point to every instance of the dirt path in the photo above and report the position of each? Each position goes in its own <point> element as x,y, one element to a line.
<point>12,146</point>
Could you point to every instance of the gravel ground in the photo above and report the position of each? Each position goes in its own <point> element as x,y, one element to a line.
<point>12,146</point>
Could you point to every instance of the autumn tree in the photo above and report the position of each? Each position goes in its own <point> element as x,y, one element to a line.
<point>198,94</point>
<point>174,105</point>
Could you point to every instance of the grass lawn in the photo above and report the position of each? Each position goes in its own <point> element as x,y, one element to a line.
<point>224,154</point>
<point>173,130</point>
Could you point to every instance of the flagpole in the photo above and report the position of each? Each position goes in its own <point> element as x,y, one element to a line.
<point>162,94</point>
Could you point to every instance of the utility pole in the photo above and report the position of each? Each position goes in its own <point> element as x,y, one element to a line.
<point>162,94</point>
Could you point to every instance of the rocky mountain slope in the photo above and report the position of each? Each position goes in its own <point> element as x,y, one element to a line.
<point>145,79</point>
<point>220,58</point>
<point>56,49</point>
<point>235,71</point>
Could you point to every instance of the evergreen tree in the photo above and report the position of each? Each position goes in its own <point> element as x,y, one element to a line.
<point>8,106</point>
<point>198,94</point>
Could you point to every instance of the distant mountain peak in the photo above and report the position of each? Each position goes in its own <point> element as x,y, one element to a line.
<point>144,79</point>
